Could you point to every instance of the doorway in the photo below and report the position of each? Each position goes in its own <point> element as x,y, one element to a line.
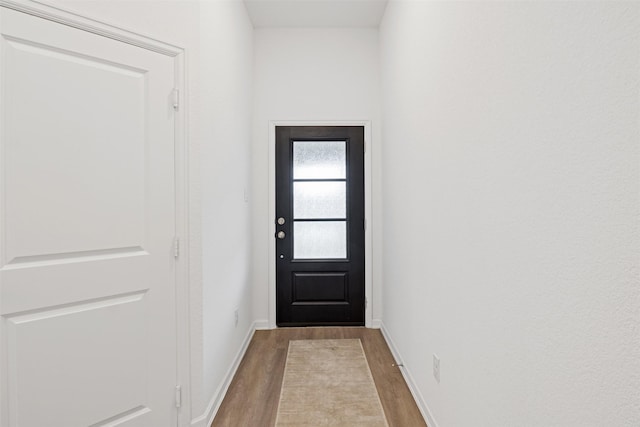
<point>320,225</point>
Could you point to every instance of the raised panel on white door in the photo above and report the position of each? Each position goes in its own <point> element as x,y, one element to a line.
<point>87,221</point>
<point>83,159</point>
<point>80,361</point>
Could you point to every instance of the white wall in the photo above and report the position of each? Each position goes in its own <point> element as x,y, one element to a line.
<point>226,102</point>
<point>218,38</point>
<point>511,185</point>
<point>311,75</point>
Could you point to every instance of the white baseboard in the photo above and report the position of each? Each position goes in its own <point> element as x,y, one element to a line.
<point>376,324</point>
<point>406,373</point>
<point>206,419</point>
<point>262,325</point>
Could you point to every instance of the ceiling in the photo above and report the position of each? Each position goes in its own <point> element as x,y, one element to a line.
<point>315,13</point>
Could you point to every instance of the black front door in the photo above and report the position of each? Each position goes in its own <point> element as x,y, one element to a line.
<point>320,225</point>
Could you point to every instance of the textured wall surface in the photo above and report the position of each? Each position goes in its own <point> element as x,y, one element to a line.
<point>511,184</point>
<point>311,75</point>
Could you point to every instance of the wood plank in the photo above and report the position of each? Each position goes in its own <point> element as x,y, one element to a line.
<point>252,399</point>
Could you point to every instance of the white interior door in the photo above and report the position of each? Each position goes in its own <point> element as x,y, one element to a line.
<point>87,221</point>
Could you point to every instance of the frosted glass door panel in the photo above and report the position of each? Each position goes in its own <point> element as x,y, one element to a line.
<point>319,199</point>
<point>320,240</point>
<point>319,160</point>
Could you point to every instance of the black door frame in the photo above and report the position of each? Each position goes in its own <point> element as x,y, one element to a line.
<point>271,291</point>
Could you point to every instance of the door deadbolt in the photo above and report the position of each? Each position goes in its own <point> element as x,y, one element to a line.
<point>280,235</point>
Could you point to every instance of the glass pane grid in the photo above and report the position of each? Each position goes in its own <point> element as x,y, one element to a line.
<point>319,200</point>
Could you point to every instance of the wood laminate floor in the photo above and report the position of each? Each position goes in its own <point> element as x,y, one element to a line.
<point>252,398</point>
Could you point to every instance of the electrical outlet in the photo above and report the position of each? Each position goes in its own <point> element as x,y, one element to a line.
<point>436,367</point>
<point>235,317</point>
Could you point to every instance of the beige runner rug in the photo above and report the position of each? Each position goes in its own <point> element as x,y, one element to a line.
<point>328,383</point>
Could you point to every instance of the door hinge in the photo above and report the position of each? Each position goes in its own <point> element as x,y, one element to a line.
<point>365,224</point>
<point>366,304</point>
<point>176,247</point>
<point>176,99</point>
<point>178,396</point>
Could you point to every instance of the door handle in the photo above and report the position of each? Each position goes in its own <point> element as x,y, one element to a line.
<point>281,235</point>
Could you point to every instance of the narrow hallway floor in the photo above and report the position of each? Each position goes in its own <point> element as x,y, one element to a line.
<point>252,398</point>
